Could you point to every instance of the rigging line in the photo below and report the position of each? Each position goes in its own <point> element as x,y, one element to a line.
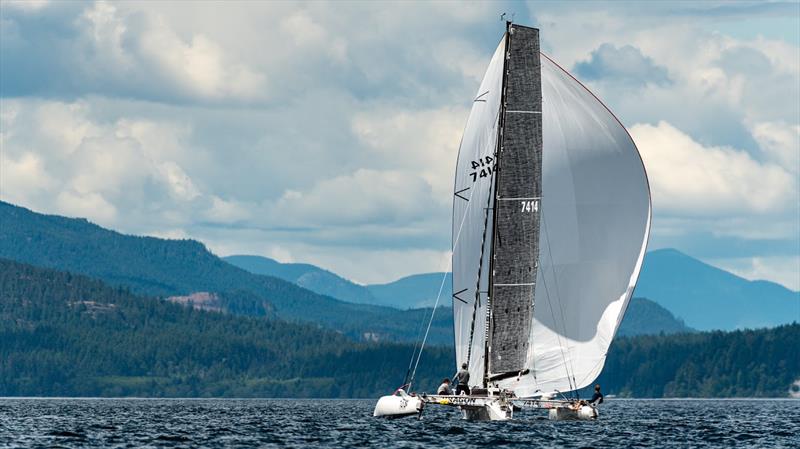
<point>414,353</point>
<point>441,286</point>
<point>455,244</point>
<point>558,337</point>
<point>558,298</point>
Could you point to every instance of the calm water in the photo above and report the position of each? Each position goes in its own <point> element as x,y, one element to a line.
<point>348,423</point>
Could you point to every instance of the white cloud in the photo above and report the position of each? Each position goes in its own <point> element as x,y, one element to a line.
<point>198,65</point>
<point>688,177</point>
<point>423,143</point>
<point>781,142</point>
<point>364,197</point>
<point>57,157</point>
<point>222,211</point>
<point>88,204</point>
<point>26,5</point>
<point>784,270</point>
<point>24,178</point>
<point>328,131</point>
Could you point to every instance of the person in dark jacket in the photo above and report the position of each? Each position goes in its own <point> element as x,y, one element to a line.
<point>462,380</point>
<point>597,397</point>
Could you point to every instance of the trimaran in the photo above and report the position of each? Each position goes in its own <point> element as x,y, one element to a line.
<point>551,218</point>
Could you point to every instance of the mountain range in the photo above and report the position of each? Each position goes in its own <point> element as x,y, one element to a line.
<point>184,271</point>
<point>177,268</point>
<point>702,296</point>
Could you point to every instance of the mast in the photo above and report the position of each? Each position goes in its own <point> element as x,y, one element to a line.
<point>515,216</point>
<point>493,196</point>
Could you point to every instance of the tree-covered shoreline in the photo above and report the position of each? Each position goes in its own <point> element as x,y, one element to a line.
<point>68,335</point>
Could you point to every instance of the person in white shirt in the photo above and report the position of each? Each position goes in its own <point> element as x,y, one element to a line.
<point>444,388</point>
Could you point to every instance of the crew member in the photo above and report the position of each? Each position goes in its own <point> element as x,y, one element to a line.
<point>462,380</point>
<point>444,388</point>
<point>597,397</point>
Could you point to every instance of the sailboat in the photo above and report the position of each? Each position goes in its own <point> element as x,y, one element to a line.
<point>551,219</point>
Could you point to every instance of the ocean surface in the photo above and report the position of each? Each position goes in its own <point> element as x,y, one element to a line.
<point>270,423</point>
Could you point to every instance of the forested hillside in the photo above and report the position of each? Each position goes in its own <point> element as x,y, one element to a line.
<point>68,335</point>
<point>747,363</point>
<point>159,267</point>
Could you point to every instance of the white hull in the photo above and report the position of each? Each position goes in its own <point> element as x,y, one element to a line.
<point>585,412</point>
<point>398,405</point>
<point>494,407</point>
<point>500,407</point>
<point>493,411</point>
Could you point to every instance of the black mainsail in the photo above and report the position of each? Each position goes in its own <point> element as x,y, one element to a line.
<point>518,190</point>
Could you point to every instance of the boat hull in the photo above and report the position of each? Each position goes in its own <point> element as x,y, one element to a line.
<point>492,411</point>
<point>397,406</point>
<point>586,412</point>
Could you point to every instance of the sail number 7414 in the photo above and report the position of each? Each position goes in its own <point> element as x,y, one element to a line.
<point>530,206</point>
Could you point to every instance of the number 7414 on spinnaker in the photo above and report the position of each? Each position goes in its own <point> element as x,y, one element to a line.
<point>551,218</point>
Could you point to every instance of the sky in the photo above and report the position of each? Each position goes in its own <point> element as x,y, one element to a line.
<point>327,132</point>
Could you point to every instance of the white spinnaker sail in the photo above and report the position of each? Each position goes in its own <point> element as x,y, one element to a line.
<point>473,186</point>
<point>594,231</point>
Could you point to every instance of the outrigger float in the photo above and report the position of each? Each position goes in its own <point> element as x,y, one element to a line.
<point>551,218</point>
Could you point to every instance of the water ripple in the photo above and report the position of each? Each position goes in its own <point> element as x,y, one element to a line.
<point>212,423</point>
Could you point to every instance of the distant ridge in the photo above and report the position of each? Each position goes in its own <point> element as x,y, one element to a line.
<point>643,317</point>
<point>418,290</point>
<point>308,276</point>
<point>160,267</point>
<point>709,298</point>
<point>703,296</point>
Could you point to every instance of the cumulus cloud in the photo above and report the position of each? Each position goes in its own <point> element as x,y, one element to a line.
<point>327,132</point>
<point>364,197</point>
<point>108,50</point>
<point>422,142</point>
<point>57,157</point>
<point>625,65</point>
<point>781,141</point>
<point>688,177</point>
